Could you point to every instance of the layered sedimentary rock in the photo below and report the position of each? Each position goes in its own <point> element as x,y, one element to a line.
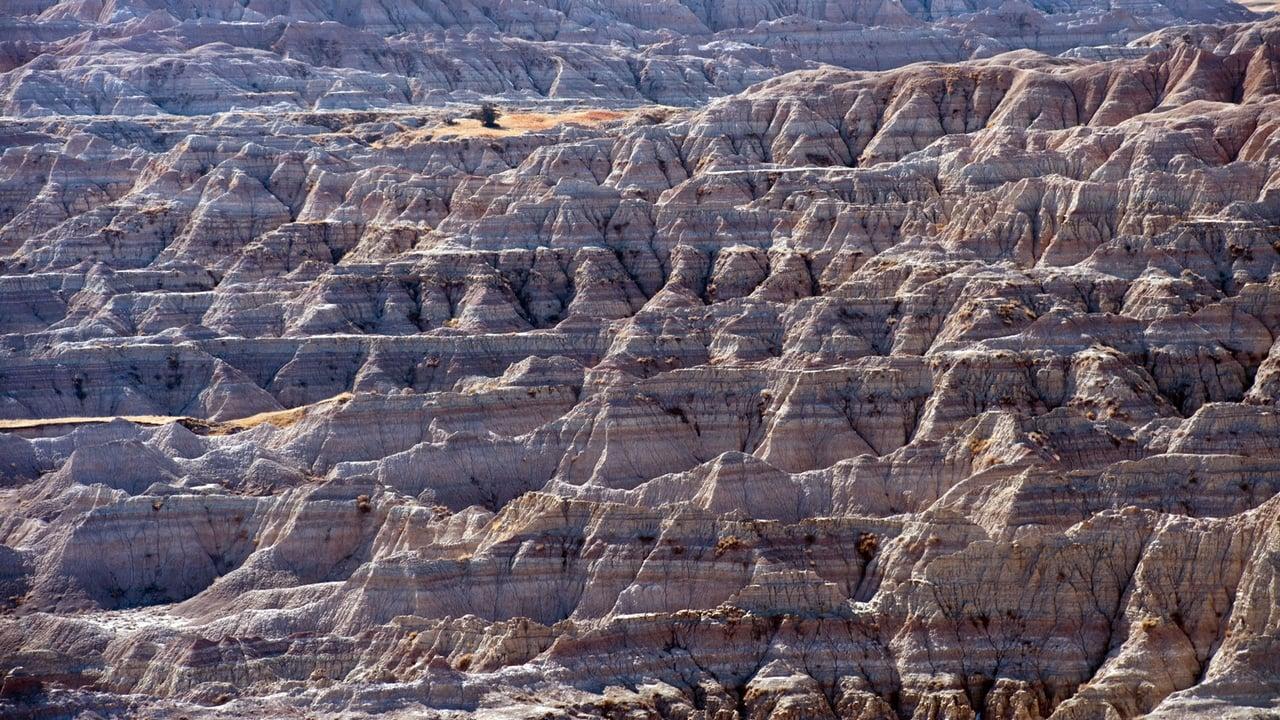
<point>179,56</point>
<point>940,391</point>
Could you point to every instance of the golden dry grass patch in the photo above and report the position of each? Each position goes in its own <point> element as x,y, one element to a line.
<point>519,123</point>
<point>278,418</point>
<point>28,423</point>
<point>510,123</point>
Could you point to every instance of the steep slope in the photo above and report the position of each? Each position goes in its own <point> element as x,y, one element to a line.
<point>146,57</point>
<point>939,392</point>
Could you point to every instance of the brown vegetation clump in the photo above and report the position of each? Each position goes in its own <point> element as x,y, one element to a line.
<point>868,543</point>
<point>729,543</point>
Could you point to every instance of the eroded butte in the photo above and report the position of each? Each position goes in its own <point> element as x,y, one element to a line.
<point>767,360</point>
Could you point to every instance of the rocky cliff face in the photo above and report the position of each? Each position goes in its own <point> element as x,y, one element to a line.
<point>194,57</point>
<point>940,391</point>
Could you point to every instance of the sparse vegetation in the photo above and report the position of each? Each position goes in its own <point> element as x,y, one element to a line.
<point>507,124</point>
<point>729,543</point>
<point>868,544</point>
<point>488,115</point>
<point>254,249</point>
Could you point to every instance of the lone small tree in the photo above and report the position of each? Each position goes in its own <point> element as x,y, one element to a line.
<point>487,115</point>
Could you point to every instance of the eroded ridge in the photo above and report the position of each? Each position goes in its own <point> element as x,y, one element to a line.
<point>938,392</point>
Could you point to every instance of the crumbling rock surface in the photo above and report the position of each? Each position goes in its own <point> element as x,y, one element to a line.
<point>866,389</point>
<point>191,57</point>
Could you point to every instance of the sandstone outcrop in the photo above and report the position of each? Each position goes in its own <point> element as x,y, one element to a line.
<point>191,57</point>
<point>791,381</point>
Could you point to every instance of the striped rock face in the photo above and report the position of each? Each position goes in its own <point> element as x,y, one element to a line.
<point>744,367</point>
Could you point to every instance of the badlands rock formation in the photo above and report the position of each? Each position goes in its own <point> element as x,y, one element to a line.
<point>747,370</point>
<point>155,57</point>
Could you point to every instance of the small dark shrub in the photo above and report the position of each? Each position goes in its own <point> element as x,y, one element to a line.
<point>487,114</point>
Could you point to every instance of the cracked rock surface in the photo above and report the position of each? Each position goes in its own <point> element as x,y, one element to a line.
<point>751,369</point>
